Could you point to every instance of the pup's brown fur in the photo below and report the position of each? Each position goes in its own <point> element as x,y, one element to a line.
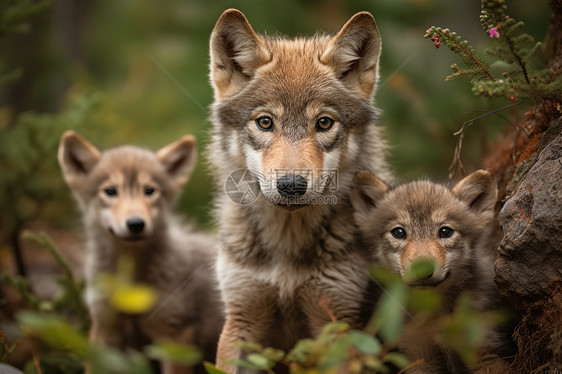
<point>126,196</point>
<point>290,112</point>
<point>452,227</point>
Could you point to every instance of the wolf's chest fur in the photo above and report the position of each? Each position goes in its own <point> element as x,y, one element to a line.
<point>291,112</point>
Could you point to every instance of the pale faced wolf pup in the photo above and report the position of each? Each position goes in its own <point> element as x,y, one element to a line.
<point>293,121</point>
<point>452,227</point>
<point>126,196</point>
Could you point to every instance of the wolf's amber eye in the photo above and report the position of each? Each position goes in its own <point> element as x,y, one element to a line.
<point>265,123</point>
<point>110,191</point>
<point>398,232</point>
<point>324,123</point>
<point>148,191</point>
<point>446,232</point>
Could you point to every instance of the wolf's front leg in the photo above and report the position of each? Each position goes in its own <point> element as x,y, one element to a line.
<point>340,298</point>
<point>249,319</point>
<point>184,337</point>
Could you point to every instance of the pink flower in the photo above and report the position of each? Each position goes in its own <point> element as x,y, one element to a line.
<point>435,37</point>
<point>437,44</point>
<point>494,32</point>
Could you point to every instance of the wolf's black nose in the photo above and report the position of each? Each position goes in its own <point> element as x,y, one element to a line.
<point>135,225</point>
<point>291,185</point>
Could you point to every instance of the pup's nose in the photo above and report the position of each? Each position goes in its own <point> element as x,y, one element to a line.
<point>135,225</point>
<point>291,185</point>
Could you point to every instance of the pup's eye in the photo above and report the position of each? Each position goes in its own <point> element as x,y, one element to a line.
<point>148,191</point>
<point>324,123</point>
<point>264,123</point>
<point>446,232</point>
<point>398,232</point>
<point>110,191</point>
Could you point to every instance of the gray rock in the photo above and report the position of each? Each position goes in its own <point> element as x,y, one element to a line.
<point>531,249</point>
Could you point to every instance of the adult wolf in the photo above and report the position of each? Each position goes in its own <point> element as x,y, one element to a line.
<point>126,195</point>
<point>298,116</point>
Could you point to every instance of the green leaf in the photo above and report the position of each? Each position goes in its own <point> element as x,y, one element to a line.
<point>424,300</point>
<point>273,354</point>
<point>335,355</point>
<point>364,342</point>
<point>301,350</point>
<point>242,364</point>
<point>173,352</point>
<point>53,331</point>
<point>112,361</point>
<point>334,327</point>
<point>249,346</point>
<point>389,315</point>
<point>465,330</point>
<point>372,362</point>
<point>420,269</point>
<point>212,369</point>
<point>260,361</point>
<point>397,359</point>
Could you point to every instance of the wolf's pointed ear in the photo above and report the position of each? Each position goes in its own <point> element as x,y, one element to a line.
<point>354,54</point>
<point>478,190</point>
<point>236,52</point>
<point>179,159</point>
<point>77,157</point>
<point>366,192</point>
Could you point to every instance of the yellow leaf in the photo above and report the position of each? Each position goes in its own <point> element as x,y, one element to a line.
<point>133,299</point>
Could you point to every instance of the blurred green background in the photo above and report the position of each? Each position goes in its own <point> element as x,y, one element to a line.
<point>136,71</point>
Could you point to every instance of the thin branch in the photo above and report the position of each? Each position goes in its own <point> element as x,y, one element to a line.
<point>520,61</point>
<point>73,289</point>
<point>457,164</point>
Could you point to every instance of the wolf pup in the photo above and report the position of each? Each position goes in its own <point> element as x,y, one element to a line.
<point>293,121</point>
<point>452,227</point>
<point>126,196</point>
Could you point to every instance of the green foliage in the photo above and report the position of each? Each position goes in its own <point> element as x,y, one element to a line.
<point>376,349</point>
<point>336,347</point>
<point>6,349</point>
<point>31,185</point>
<point>67,345</point>
<point>14,19</point>
<point>178,353</point>
<point>513,73</point>
<point>73,350</point>
<point>70,298</point>
<point>68,301</point>
<point>15,15</point>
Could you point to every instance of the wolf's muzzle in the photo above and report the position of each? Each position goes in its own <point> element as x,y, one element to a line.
<point>291,185</point>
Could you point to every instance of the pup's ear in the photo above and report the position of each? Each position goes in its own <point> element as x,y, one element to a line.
<point>478,190</point>
<point>366,192</point>
<point>77,157</point>
<point>236,52</point>
<point>179,159</point>
<point>354,54</point>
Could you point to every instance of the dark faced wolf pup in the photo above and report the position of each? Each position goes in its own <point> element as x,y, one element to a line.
<point>126,195</point>
<point>453,228</point>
